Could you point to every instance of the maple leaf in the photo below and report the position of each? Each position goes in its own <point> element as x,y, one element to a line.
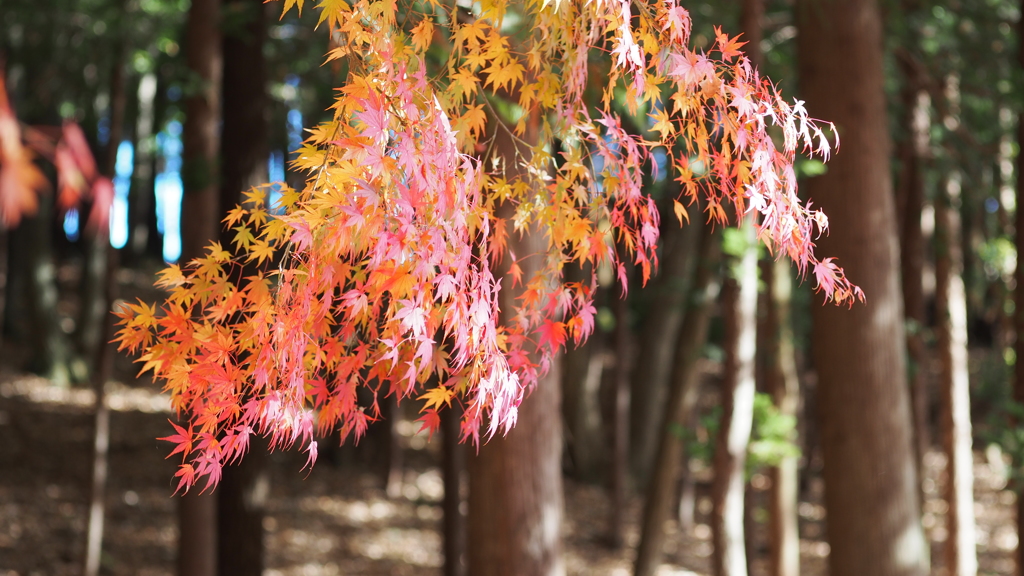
<point>182,441</point>
<point>430,421</point>
<point>435,397</point>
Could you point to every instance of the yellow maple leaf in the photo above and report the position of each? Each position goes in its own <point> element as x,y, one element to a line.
<point>423,34</point>
<point>435,397</point>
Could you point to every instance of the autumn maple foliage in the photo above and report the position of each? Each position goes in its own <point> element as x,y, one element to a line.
<point>21,180</point>
<point>379,273</point>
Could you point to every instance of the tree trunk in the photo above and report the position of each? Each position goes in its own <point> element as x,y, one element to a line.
<point>245,146</point>
<point>102,257</point>
<point>678,409</point>
<point>197,543</point>
<point>618,470</point>
<point>141,197</point>
<point>658,334</point>
<point>242,494</point>
<point>739,310</point>
<point>784,386</point>
<point>874,522</point>
<point>452,469</point>
<point>515,481</point>
<point>94,306</point>
<point>582,370</point>
<point>910,203</point>
<point>951,304</point>
<point>200,138</point>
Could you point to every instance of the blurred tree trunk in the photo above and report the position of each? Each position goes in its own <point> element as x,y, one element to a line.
<point>102,260</point>
<point>783,384</point>
<point>33,239</point>
<point>618,470</point>
<point>864,406</point>
<point>245,146</point>
<point>679,407</point>
<point>951,306</point>
<point>582,369</point>
<point>453,470</point>
<point>739,310</point>
<point>910,201</point>
<point>658,334</point>
<point>94,308</point>
<point>141,199</point>
<point>197,540</point>
<point>241,496</point>
<point>515,481</point>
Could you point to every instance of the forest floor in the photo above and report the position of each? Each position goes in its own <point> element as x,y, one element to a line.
<point>336,519</point>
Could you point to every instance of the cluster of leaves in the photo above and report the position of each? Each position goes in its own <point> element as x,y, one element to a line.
<point>21,180</point>
<point>383,272</point>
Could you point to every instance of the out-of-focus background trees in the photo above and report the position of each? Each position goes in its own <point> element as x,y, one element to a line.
<point>880,440</point>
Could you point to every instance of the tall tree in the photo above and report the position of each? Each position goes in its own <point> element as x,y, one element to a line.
<point>864,408</point>
<point>954,384</point>
<point>910,200</point>
<point>739,311</point>
<point>684,386</point>
<point>197,538</point>
<point>515,481</point>
<point>244,150</point>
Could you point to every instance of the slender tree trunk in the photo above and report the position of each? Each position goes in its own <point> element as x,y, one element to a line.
<point>678,409</point>
<point>141,197</point>
<point>582,370</point>
<point>393,464</point>
<point>515,482</point>
<point>783,385</point>
<point>864,406</point>
<point>103,367</point>
<point>951,303</point>
<point>94,306</point>
<point>658,334</point>
<point>197,543</point>
<point>910,203</point>
<point>102,254</point>
<point>739,310</point>
<point>619,468</point>
<point>453,469</point>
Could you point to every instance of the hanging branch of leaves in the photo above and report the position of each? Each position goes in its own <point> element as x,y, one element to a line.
<point>380,272</point>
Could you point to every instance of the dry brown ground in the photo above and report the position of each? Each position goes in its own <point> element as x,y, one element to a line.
<point>336,520</point>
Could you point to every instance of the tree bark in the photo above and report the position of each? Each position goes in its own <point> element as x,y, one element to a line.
<point>951,303</point>
<point>453,469</point>
<point>678,409</point>
<point>241,496</point>
<point>200,133</point>
<point>245,146</point>
<point>874,522</point>
<point>197,543</point>
<point>618,471</point>
<point>739,310</point>
<point>783,385</point>
<point>515,482</point>
<point>910,203</point>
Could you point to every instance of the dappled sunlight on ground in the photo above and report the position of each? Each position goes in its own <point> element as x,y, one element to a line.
<point>337,519</point>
